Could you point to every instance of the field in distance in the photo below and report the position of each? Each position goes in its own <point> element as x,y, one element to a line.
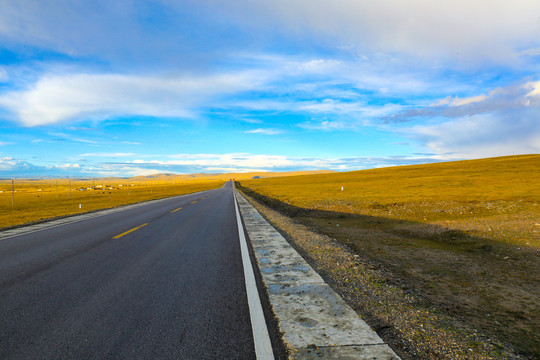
<point>38,199</point>
<point>465,234</point>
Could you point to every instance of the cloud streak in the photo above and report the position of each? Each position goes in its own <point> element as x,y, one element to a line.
<point>208,163</point>
<point>499,100</point>
<point>245,162</point>
<point>495,31</point>
<point>455,32</point>
<point>504,122</point>
<point>264,131</point>
<point>58,98</point>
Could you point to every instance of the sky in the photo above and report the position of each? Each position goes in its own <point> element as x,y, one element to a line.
<point>125,88</point>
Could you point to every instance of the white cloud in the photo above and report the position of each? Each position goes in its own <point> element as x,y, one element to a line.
<point>493,30</point>
<point>456,33</point>
<point>125,171</point>
<point>131,143</point>
<point>12,167</point>
<point>327,125</point>
<point>531,52</point>
<point>534,87</point>
<point>80,96</point>
<point>118,154</point>
<point>236,160</point>
<point>57,98</point>
<point>85,141</point>
<point>504,122</point>
<point>455,101</point>
<point>331,106</point>
<point>505,99</point>
<point>203,163</point>
<point>232,170</point>
<point>481,136</point>
<point>3,75</point>
<point>319,66</point>
<point>243,162</point>
<point>465,101</point>
<point>68,166</point>
<point>264,131</point>
<point>6,162</point>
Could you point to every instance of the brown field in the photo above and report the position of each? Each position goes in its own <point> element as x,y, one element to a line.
<point>465,234</point>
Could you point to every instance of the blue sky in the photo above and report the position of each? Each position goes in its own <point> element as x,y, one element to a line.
<point>125,88</point>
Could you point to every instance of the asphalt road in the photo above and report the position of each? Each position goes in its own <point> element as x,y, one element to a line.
<point>173,288</point>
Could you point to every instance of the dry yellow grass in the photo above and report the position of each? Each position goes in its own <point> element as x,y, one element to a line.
<point>498,198</point>
<point>35,200</point>
<point>40,199</point>
<point>464,234</point>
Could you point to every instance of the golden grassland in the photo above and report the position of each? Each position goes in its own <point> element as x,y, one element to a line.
<point>498,198</point>
<point>465,234</point>
<point>34,200</point>
<point>39,199</point>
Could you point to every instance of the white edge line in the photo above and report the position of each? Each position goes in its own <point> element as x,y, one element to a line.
<point>263,347</point>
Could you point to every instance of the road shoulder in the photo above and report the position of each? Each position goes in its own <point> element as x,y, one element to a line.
<point>315,321</point>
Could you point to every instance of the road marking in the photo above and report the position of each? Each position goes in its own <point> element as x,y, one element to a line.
<point>176,210</point>
<point>193,202</point>
<point>127,232</point>
<point>263,347</point>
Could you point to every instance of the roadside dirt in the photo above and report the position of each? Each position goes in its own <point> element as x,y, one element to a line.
<point>426,301</point>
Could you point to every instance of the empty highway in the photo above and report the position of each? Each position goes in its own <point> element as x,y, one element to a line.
<point>160,281</point>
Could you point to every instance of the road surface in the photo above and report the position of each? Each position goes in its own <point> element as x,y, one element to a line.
<point>160,281</point>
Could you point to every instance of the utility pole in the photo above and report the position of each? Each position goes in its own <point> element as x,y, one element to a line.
<point>93,187</point>
<point>12,192</point>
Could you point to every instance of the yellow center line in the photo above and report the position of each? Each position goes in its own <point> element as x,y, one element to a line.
<point>176,210</point>
<point>193,202</point>
<point>127,232</point>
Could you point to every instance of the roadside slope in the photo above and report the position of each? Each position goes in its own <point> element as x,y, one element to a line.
<point>401,316</point>
<point>464,235</point>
